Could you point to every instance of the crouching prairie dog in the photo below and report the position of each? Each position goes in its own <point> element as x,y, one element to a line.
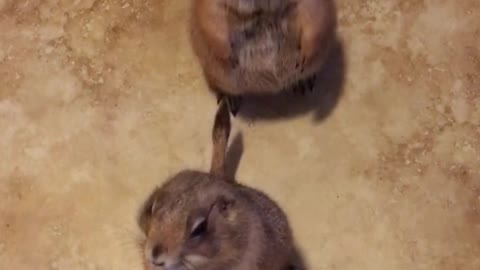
<point>207,221</point>
<point>261,47</point>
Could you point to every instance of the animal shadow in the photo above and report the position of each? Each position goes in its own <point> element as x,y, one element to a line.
<point>298,260</point>
<point>322,100</point>
<point>234,156</point>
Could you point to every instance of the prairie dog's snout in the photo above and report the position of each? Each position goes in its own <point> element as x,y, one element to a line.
<point>161,259</point>
<point>157,258</point>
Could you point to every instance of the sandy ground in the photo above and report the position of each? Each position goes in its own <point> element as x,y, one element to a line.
<point>101,100</point>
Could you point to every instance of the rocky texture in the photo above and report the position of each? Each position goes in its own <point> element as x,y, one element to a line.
<point>102,99</point>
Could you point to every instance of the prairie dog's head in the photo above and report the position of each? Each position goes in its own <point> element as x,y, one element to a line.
<point>191,223</point>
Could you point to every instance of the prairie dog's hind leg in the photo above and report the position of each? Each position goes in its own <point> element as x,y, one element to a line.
<point>234,103</point>
<point>302,86</point>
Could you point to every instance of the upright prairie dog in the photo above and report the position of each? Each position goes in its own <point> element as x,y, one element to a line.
<point>206,221</point>
<point>261,46</point>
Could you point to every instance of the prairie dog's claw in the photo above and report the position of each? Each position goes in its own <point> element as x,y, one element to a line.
<point>234,103</point>
<point>302,86</point>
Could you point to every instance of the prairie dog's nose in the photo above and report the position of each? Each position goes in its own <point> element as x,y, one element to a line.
<point>168,263</point>
<point>155,251</point>
<point>156,256</point>
<point>153,254</point>
<point>175,266</point>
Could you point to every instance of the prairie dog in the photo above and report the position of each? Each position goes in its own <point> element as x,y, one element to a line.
<point>261,46</point>
<point>205,221</point>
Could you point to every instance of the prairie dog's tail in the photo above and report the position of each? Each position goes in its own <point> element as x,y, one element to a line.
<point>220,135</point>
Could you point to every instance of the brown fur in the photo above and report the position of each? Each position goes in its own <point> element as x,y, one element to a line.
<point>260,46</point>
<point>220,135</point>
<point>240,227</point>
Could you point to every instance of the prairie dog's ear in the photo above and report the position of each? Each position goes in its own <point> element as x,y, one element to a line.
<point>221,207</point>
<point>146,212</point>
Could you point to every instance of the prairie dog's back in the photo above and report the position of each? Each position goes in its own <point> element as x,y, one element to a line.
<point>276,229</point>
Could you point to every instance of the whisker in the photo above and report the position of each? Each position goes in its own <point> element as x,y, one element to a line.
<point>129,240</point>
<point>184,265</point>
<point>188,263</point>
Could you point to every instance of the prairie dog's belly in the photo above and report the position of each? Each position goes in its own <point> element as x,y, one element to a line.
<point>267,55</point>
<point>260,54</point>
<point>261,47</point>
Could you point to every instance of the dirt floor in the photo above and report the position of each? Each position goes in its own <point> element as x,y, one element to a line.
<point>101,100</point>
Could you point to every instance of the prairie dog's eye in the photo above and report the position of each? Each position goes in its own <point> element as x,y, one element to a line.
<point>199,228</point>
